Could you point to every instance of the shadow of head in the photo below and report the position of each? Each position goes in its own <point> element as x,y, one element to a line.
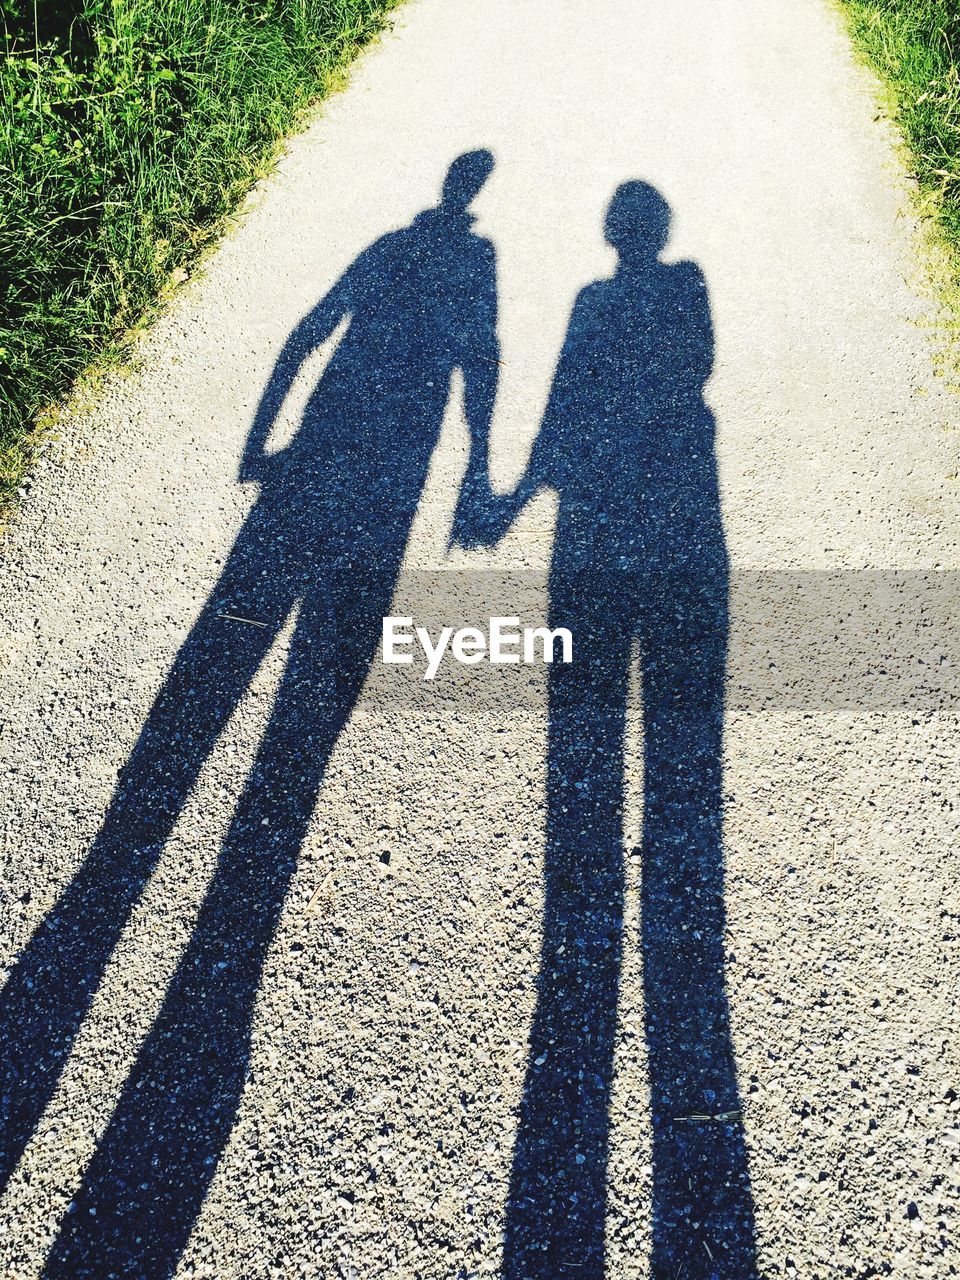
<point>465,178</point>
<point>638,221</point>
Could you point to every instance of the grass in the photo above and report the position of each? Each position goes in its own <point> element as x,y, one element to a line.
<point>128,130</point>
<point>914,45</point>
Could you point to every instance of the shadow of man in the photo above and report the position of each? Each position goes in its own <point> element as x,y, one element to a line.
<point>325,538</point>
<point>639,566</point>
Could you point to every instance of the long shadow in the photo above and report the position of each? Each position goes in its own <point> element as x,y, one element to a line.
<point>639,568</point>
<point>325,538</point>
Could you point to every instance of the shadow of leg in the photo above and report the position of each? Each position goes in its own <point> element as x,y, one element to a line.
<point>53,982</point>
<point>150,1173</point>
<point>702,1207</point>
<point>557,1201</point>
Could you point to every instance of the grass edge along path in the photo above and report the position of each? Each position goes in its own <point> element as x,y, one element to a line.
<point>914,48</point>
<point>129,131</point>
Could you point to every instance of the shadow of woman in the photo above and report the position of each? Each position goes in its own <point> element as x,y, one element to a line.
<point>639,566</point>
<point>325,538</point>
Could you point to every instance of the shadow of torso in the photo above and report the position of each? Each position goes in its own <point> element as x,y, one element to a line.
<point>418,301</point>
<point>627,441</point>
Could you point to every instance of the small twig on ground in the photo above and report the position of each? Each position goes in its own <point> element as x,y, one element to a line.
<point>721,1115</point>
<point>232,617</point>
<point>322,888</point>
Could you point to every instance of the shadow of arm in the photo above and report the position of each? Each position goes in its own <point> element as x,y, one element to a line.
<point>483,518</point>
<point>699,340</point>
<point>310,333</point>
<point>480,366</point>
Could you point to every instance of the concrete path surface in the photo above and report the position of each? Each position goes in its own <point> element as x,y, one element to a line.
<point>645,967</point>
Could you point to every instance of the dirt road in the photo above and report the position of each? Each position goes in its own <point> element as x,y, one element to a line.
<point>319,969</point>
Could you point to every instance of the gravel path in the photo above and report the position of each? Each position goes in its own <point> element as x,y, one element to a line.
<point>273,912</point>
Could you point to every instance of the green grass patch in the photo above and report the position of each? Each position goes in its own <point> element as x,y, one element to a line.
<point>128,130</point>
<point>914,45</point>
